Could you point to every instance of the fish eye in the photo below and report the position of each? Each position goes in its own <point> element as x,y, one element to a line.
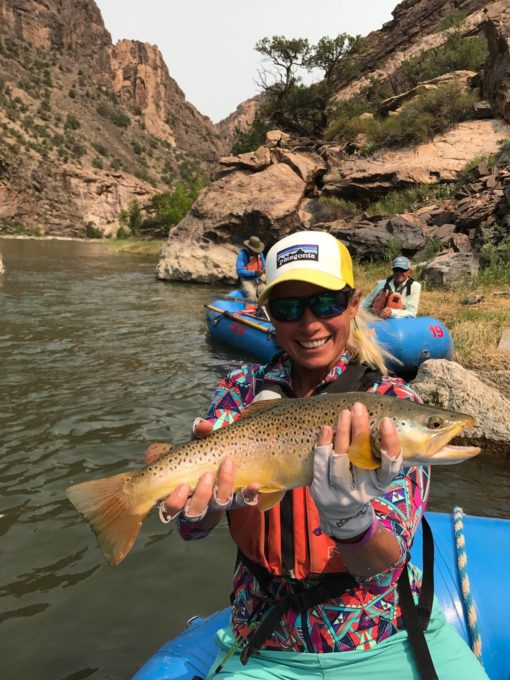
<point>435,422</point>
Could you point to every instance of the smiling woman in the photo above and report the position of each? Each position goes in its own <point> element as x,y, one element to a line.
<point>337,550</point>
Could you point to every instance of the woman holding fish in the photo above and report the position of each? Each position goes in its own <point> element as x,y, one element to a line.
<point>315,587</point>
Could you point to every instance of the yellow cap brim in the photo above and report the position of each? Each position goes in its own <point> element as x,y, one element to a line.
<point>307,276</point>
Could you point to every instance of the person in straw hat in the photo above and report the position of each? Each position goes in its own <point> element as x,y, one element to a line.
<point>250,268</point>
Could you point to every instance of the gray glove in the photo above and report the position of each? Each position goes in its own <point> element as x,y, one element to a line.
<point>236,501</point>
<point>343,492</point>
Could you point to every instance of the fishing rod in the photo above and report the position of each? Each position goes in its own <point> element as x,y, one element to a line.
<point>240,319</point>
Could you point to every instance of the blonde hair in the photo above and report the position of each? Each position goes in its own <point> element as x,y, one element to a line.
<point>363,345</point>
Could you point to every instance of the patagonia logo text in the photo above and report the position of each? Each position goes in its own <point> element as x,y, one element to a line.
<point>297,253</point>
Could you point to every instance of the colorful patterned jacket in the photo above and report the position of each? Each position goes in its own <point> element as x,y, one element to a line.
<point>361,617</point>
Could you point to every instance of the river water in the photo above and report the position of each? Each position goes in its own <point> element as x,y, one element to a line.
<point>98,360</point>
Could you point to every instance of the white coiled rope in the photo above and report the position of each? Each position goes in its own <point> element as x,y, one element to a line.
<point>467,598</point>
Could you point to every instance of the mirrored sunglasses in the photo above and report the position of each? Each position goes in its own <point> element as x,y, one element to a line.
<point>323,305</point>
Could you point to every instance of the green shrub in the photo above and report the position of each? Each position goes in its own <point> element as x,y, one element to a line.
<point>91,231</point>
<point>458,53</point>
<point>121,233</point>
<point>465,174</point>
<point>331,208</point>
<point>433,248</point>
<point>97,163</point>
<point>137,148</point>
<point>102,110</point>
<point>408,200</point>
<point>131,218</point>
<point>392,248</point>
<point>101,150</point>
<point>453,20</point>
<point>250,139</point>
<point>72,123</point>
<point>168,208</point>
<point>423,117</point>
<point>120,119</point>
<point>495,255</point>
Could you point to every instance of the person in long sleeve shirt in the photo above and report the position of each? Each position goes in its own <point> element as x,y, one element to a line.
<point>401,283</point>
<point>250,266</point>
<point>351,528</point>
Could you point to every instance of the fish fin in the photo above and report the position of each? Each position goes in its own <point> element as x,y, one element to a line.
<point>267,500</point>
<point>360,453</point>
<point>259,407</point>
<point>108,507</point>
<point>157,450</point>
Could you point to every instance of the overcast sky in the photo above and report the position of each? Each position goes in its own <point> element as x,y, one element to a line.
<point>208,45</point>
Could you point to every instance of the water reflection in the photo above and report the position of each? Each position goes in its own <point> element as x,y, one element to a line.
<point>98,360</point>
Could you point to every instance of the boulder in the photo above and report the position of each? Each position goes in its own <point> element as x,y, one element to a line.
<point>227,212</point>
<point>198,262</point>
<point>364,241</point>
<point>253,160</point>
<point>2,268</point>
<point>307,165</point>
<point>448,385</point>
<point>408,232</point>
<point>450,269</point>
<point>368,240</point>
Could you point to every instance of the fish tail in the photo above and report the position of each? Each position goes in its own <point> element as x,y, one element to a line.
<point>109,507</point>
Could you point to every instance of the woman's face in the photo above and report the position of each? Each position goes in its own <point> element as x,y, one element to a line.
<point>313,343</point>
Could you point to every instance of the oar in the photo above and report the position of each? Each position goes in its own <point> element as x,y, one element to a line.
<point>225,296</point>
<point>240,319</point>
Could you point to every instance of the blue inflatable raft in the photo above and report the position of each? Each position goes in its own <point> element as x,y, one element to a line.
<point>192,652</point>
<point>411,341</point>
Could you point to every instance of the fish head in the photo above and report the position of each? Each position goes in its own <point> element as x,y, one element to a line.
<point>425,433</point>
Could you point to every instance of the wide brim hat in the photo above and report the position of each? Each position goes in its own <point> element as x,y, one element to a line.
<point>255,244</point>
<point>310,256</point>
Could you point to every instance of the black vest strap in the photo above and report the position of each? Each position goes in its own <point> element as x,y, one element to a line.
<point>327,587</point>
<point>409,283</point>
<point>417,617</point>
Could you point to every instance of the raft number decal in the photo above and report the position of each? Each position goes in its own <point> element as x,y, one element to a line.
<point>297,253</point>
<point>437,331</point>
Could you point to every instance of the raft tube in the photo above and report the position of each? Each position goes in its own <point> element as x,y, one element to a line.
<point>410,341</point>
<point>192,652</point>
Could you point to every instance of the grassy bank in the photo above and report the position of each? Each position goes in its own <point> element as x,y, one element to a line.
<point>135,247</point>
<point>476,329</point>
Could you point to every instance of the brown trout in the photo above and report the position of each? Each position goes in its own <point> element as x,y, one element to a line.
<point>272,444</point>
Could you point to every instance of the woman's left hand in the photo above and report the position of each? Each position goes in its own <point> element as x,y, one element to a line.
<point>343,492</point>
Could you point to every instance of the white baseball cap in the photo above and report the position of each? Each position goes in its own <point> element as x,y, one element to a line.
<point>311,256</point>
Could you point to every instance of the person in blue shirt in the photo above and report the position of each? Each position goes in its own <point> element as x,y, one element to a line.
<point>396,297</point>
<point>250,268</point>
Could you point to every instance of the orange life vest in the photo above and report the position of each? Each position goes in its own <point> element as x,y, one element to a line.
<point>259,536</point>
<point>255,264</point>
<point>287,540</point>
<point>388,298</point>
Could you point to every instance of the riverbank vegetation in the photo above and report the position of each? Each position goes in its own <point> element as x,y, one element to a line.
<point>307,110</point>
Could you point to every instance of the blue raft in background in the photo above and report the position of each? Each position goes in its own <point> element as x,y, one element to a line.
<point>488,556</point>
<point>411,341</point>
